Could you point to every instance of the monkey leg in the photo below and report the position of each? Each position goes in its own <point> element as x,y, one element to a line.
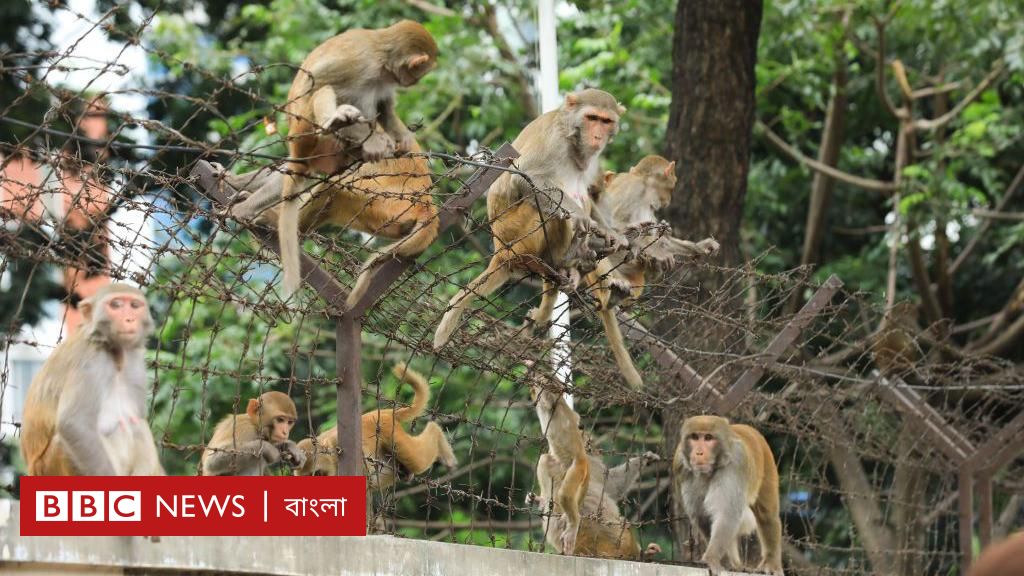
<point>725,528</point>
<point>415,243</point>
<point>258,194</point>
<point>570,495</point>
<point>488,281</point>
<point>618,346</point>
<point>540,317</point>
<point>418,453</point>
<point>769,533</point>
<point>331,117</point>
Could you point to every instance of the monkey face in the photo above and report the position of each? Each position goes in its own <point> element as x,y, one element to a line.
<point>599,126</point>
<point>281,428</point>
<point>128,315</point>
<point>702,451</point>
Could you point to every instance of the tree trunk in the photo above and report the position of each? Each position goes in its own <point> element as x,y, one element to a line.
<point>709,131</point>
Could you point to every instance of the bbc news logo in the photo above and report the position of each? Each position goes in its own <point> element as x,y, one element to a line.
<point>193,506</point>
<point>89,506</point>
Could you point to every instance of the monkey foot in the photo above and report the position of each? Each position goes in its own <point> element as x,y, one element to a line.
<point>538,329</point>
<point>344,116</point>
<point>652,550</point>
<point>618,291</point>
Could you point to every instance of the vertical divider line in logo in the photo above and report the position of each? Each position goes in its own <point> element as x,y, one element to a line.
<point>264,506</point>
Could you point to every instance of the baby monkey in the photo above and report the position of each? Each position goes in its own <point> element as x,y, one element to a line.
<point>249,444</point>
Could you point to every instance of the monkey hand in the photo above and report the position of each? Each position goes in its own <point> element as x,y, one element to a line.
<point>569,540</point>
<point>649,457</point>
<point>291,454</point>
<point>343,116</point>
<point>707,247</point>
<point>269,453</point>
<point>652,550</point>
<point>378,147</point>
<point>405,142</point>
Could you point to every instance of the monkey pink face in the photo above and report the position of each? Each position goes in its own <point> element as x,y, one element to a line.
<point>127,314</point>
<point>281,428</point>
<point>703,450</point>
<point>599,125</point>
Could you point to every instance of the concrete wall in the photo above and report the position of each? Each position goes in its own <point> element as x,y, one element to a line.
<point>373,555</point>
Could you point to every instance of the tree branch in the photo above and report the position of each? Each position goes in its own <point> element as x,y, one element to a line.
<point>489,21</point>
<point>880,71</point>
<point>1010,191</point>
<point>924,124</point>
<point>785,148</point>
<point>994,215</point>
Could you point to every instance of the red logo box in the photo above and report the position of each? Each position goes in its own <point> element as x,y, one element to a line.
<point>193,506</point>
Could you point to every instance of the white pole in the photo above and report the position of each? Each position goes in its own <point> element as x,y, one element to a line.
<point>549,100</point>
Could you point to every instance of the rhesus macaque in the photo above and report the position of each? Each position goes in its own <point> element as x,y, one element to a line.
<point>341,108</point>
<point>552,228</point>
<point>389,199</point>
<point>629,201</point>
<point>894,348</point>
<point>250,443</point>
<point>1004,558</point>
<point>389,451</point>
<point>585,519</point>
<point>85,413</point>
<point>726,476</point>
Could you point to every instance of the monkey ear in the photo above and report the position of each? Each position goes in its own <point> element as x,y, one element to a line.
<point>609,176</point>
<point>620,108</point>
<point>571,99</point>
<point>85,307</point>
<point>417,60</point>
<point>253,408</point>
<point>671,168</point>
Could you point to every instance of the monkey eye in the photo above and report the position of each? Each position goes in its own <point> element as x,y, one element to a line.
<point>116,304</point>
<point>708,437</point>
<point>694,436</point>
<point>137,304</point>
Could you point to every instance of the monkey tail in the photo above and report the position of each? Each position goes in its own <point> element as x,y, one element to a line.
<point>410,246</point>
<point>618,346</point>
<point>419,399</point>
<point>288,237</point>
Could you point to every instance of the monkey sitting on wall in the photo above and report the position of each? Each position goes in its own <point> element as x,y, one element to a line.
<point>85,413</point>
<point>389,451</point>
<point>549,228</point>
<point>249,444</point>
<point>388,199</point>
<point>629,201</point>
<point>725,475</point>
<point>341,109</point>
<point>585,519</point>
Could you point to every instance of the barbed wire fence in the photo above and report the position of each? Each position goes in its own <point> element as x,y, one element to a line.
<point>883,471</point>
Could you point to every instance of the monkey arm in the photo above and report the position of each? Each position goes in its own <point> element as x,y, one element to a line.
<point>394,126</point>
<point>241,458</point>
<point>621,479</point>
<point>77,415</point>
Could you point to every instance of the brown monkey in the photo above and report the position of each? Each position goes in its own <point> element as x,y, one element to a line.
<point>248,444</point>
<point>342,98</point>
<point>549,228</point>
<point>726,476</point>
<point>585,520</point>
<point>86,409</point>
<point>894,348</point>
<point>389,199</point>
<point>1005,558</point>
<point>628,202</point>
<point>389,451</point>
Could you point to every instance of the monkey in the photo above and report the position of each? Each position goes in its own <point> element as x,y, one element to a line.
<point>552,227</point>
<point>725,475</point>
<point>586,520</point>
<point>894,348</point>
<point>85,413</point>
<point>629,201</point>
<point>250,443</point>
<point>341,109</point>
<point>389,199</point>
<point>390,453</point>
<point>1001,559</point>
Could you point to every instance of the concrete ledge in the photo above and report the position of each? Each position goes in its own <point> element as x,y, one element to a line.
<point>369,556</point>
